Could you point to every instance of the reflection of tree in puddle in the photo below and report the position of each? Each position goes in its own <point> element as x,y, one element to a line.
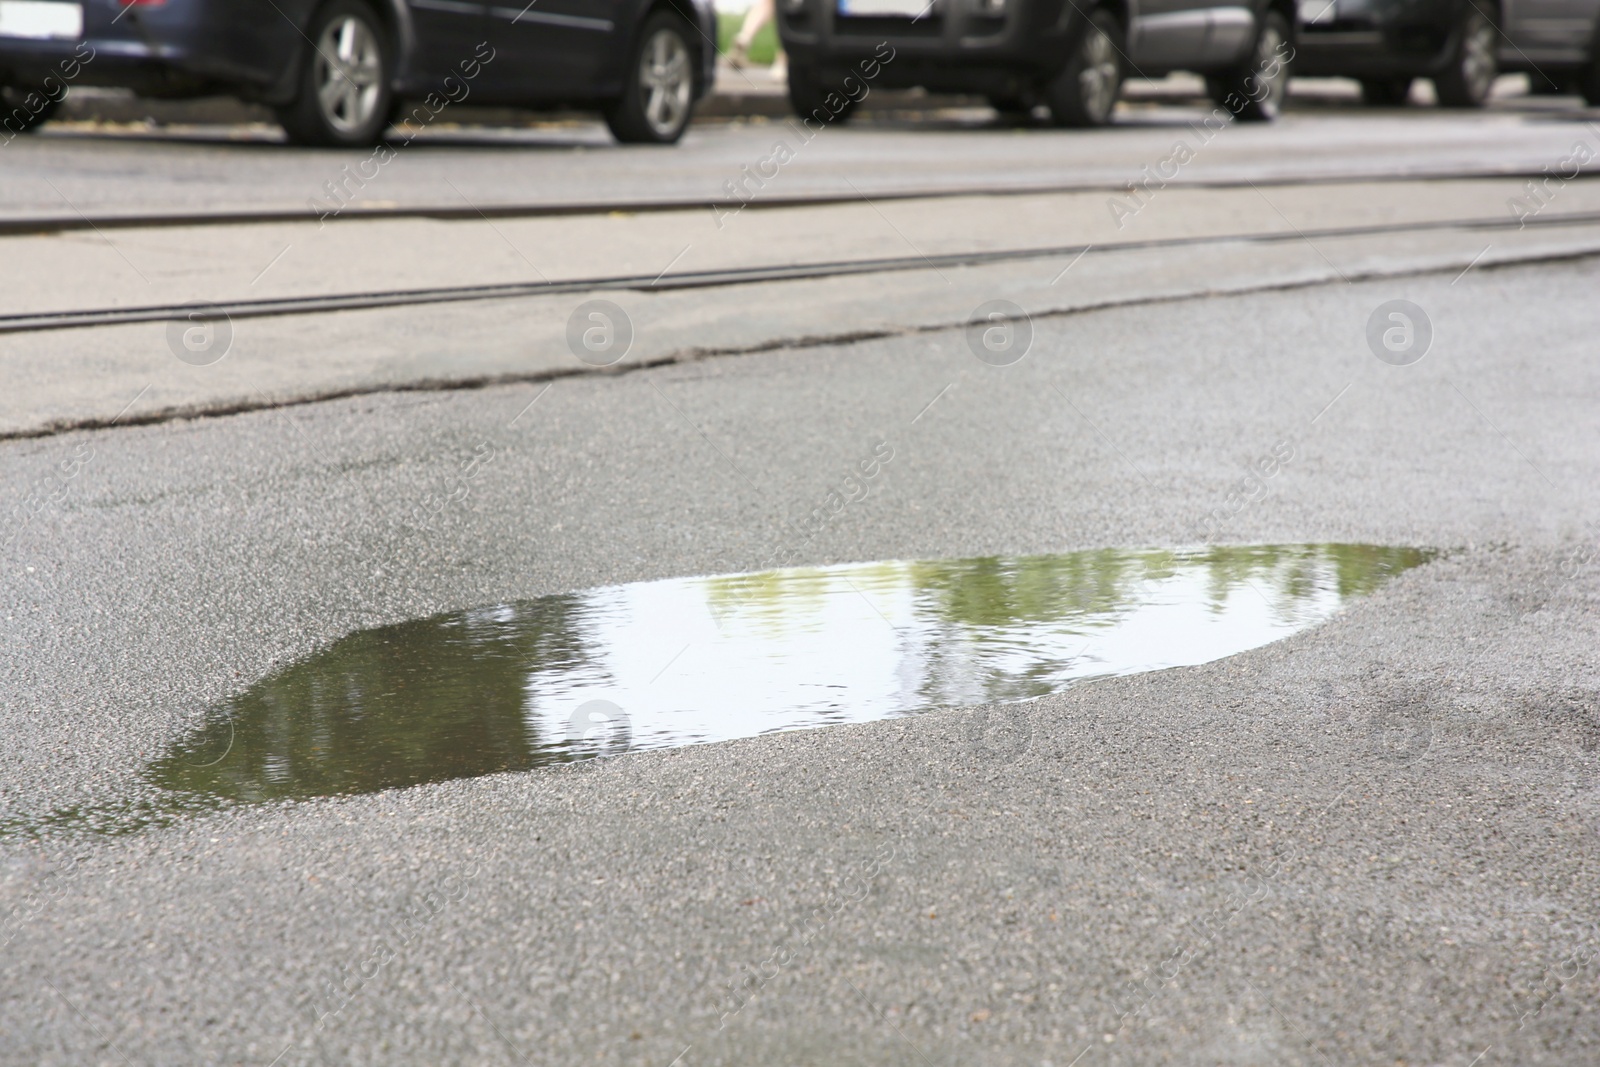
<point>453,696</point>
<point>1292,576</point>
<point>447,697</point>
<point>419,701</point>
<point>971,615</point>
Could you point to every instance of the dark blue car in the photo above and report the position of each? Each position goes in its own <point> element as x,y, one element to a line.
<point>339,72</point>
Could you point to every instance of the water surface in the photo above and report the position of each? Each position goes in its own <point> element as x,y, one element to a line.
<point>694,660</point>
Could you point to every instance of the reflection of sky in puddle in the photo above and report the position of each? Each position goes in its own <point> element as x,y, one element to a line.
<point>858,643</point>
<point>682,661</point>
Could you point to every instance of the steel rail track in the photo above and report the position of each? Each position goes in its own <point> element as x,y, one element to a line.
<point>312,305</point>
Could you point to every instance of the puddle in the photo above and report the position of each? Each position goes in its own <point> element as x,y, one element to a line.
<point>688,661</point>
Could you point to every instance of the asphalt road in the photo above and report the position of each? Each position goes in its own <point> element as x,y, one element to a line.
<point>62,173</point>
<point>1373,842</point>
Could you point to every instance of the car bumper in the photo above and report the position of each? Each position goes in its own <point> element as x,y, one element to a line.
<point>1374,38</point>
<point>175,48</point>
<point>956,46</point>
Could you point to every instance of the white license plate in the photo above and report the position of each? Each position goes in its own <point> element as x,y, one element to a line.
<point>40,19</point>
<point>909,9</point>
<point>1315,11</point>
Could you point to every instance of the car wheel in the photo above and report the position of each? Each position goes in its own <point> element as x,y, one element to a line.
<point>1385,92</point>
<point>1085,92</point>
<point>658,98</point>
<point>1255,90</point>
<point>1474,66</point>
<point>22,110</point>
<point>814,96</point>
<point>345,96</point>
<point>1587,81</point>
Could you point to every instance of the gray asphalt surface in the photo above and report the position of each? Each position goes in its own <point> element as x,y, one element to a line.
<point>84,377</point>
<point>1374,842</point>
<point>61,173</point>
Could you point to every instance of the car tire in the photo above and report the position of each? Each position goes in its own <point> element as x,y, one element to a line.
<point>1385,92</point>
<point>1255,90</point>
<point>1473,65</point>
<point>1084,93</point>
<point>345,98</point>
<point>1587,81</point>
<point>810,92</point>
<point>25,110</point>
<point>657,100</point>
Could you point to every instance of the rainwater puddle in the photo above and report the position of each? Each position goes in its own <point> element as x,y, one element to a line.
<point>694,660</point>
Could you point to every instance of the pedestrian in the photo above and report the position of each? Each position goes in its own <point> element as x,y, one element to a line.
<point>759,14</point>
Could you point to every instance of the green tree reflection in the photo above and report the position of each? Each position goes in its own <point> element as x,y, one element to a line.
<point>445,697</point>
<point>420,701</point>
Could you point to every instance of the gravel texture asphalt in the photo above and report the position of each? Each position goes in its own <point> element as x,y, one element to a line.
<point>1374,842</point>
<point>58,174</point>
<point>92,376</point>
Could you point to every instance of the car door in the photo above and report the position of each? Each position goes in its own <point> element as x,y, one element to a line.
<point>1549,31</point>
<point>553,50</point>
<point>1168,35</point>
<point>448,33</point>
<point>1230,32</point>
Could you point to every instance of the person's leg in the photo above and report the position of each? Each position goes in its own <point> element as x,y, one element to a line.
<point>760,13</point>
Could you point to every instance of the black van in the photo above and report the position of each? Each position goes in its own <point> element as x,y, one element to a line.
<point>1462,45</point>
<point>1069,55</point>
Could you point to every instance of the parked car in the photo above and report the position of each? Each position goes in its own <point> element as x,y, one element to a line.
<point>1069,55</point>
<point>1462,45</point>
<point>338,72</point>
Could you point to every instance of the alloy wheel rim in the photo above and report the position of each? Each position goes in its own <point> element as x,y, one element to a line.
<point>1097,81</point>
<point>1276,85</point>
<point>349,73</point>
<point>665,82</point>
<point>1477,57</point>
